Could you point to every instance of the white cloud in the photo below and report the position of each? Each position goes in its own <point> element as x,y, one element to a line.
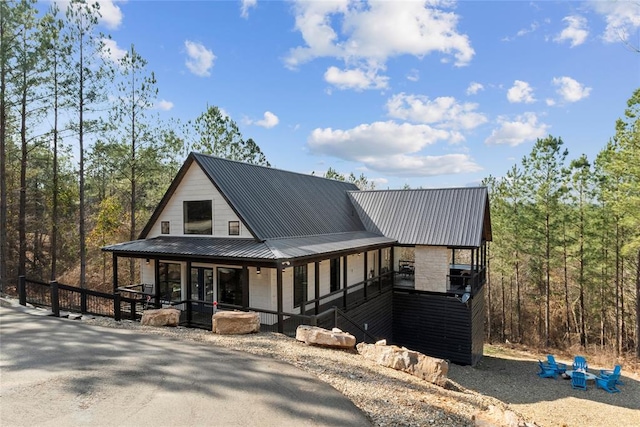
<point>391,148</point>
<point>550,102</point>
<point>575,32</point>
<point>200,59</point>
<point>245,6</point>
<point>622,18</point>
<point>111,14</point>
<point>524,128</point>
<point>111,51</point>
<point>366,36</point>
<point>357,79</point>
<point>413,75</point>
<point>444,112</point>
<point>570,90</point>
<point>474,88</point>
<point>163,105</point>
<point>520,92</point>
<point>269,120</point>
<point>409,166</point>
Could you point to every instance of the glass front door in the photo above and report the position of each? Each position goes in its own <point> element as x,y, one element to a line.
<point>230,286</point>
<point>201,284</point>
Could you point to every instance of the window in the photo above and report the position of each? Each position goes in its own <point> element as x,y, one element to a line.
<point>197,217</point>
<point>230,286</point>
<point>299,284</point>
<point>164,226</point>
<point>170,281</point>
<point>335,275</point>
<point>234,228</point>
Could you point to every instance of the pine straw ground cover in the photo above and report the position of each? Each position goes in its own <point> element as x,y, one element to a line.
<point>505,380</point>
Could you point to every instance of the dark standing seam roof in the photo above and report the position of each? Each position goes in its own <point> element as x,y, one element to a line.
<point>274,203</point>
<point>435,217</point>
<point>250,249</point>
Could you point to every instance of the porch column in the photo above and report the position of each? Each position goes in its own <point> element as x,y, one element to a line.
<point>279,298</point>
<point>245,286</point>
<point>156,278</point>
<point>345,276</point>
<point>115,272</point>
<point>366,273</point>
<point>316,284</point>
<point>189,287</point>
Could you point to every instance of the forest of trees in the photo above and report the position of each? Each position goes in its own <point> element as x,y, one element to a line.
<point>565,257</point>
<point>84,160</point>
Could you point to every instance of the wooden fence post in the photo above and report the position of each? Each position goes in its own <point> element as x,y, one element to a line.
<point>116,306</point>
<point>55,298</point>
<point>22,290</point>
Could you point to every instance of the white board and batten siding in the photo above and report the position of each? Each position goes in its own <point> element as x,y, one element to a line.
<point>197,186</point>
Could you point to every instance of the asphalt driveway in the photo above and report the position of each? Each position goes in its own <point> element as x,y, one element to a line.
<point>60,372</point>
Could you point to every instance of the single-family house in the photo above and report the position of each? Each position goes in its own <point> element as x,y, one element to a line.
<point>405,265</point>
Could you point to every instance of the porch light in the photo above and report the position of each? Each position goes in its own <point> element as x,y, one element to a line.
<point>257,270</point>
<point>147,261</point>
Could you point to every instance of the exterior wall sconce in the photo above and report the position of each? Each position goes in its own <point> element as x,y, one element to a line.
<point>258,271</point>
<point>147,261</point>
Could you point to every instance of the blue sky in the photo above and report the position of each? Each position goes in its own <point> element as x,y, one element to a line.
<point>426,93</point>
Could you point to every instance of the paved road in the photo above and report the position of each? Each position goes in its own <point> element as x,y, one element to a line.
<point>60,372</point>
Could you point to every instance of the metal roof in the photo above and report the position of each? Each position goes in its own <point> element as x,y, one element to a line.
<point>436,217</point>
<point>249,249</point>
<point>274,203</point>
<point>198,247</point>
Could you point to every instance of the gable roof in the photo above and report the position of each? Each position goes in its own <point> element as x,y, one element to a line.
<point>435,217</point>
<point>273,203</point>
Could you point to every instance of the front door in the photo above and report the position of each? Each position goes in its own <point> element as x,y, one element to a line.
<point>201,286</point>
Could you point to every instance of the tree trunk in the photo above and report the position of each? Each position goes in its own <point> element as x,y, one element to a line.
<point>81,225</point>
<point>3,164</point>
<point>54,213</point>
<point>638,306</point>
<point>22,209</point>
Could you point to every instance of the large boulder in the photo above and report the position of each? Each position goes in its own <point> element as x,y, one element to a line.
<point>235,322</point>
<point>427,368</point>
<point>161,317</point>
<point>314,335</point>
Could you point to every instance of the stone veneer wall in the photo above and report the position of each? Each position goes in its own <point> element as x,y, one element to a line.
<point>431,268</point>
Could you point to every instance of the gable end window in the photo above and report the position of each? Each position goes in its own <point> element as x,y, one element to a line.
<point>234,228</point>
<point>198,217</point>
<point>164,227</point>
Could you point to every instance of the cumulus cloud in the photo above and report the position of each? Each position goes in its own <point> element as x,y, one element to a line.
<point>268,121</point>
<point>163,105</point>
<point>576,31</point>
<point>111,51</point>
<point>391,148</point>
<point>570,90</point>
<point>111,13</point>
<point>520,92</point>
<point>200,59</point>
<point>444,112</point>
<point>357,79</point>
<point>622,18</point>
<point>422,166</point>
<point>515,132</point>
<point>366,37</point>
<point>474,88</point>
<point>245,6</point>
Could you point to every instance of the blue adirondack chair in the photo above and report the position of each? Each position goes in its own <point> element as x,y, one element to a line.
<point>579,362</point>
<point>546,371</point>
<point>579,380</point>
<point>608,384</point>
<point>605,373</point>
<point>559,367</point>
